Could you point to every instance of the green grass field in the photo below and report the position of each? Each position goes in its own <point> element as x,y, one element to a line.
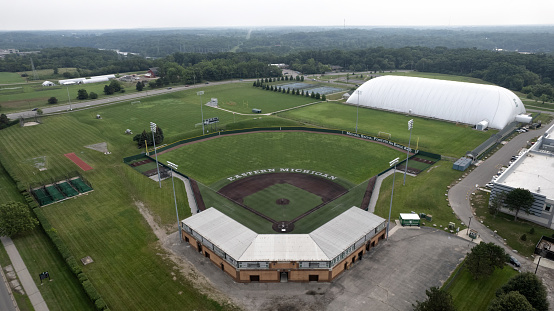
<point>422,194</point>
<point>130,270</point>
<point>264,201</point>
<point>470,294</point>
<point>430,135</point>
<point>336,155</point>
<point>509,229</point>
<point>10,78</point>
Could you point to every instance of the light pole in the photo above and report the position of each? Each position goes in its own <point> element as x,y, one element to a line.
<point>153,127</point>
<point>200,93</point>
<point>410,126</point>
<point>357,108</point>
<point>469,224</point>
<point>68,97</point>
<point>391,163</point>
<point>174,166</point>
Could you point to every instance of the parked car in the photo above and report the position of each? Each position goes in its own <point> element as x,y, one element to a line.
<point>169,88</point>
<point>35,109</point>
<point>514,261</point>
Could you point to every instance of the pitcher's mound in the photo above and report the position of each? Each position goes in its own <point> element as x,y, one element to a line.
<point>282,201</point>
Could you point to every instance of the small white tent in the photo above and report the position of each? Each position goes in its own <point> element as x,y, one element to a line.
<point>48,83</point>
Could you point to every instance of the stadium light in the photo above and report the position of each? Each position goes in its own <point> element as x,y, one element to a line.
<point>174,166</point>
<point>68,97</point>
<point>391,163</point>
<point>153,127</point>
<point>357,108</point>
<point>200,93</point>
<point>410,126</point>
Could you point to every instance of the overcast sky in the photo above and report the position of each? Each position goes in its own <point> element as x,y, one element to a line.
<point>111,14</point>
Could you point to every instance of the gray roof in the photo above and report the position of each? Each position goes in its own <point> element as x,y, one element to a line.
<point>222,231</point>
<point>338,234</point>
<point>323,244</point>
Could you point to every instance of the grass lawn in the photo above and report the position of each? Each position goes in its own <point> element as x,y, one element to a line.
<point>430,135</point>
<point>422,194</point>
<point>470,294</point>
<point>243,97</point>
<point>509,229</point>
<point>341,156</point>
<point>264,201</point>
<point>10,77</point>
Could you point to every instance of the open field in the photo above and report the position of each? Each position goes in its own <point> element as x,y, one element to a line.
<point>470,294</point>
<point>430,135</point>
<point>509,229</point>
<point>10,77</point>
<point>422,194</point>
<point>20,97</point>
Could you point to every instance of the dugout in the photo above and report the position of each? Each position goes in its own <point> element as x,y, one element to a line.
<point>409,219</point>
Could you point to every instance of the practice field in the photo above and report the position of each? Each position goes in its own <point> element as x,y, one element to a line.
<point>435,136</point>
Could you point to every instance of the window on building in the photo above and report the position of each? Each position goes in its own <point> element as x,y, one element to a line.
<point>548,207</point>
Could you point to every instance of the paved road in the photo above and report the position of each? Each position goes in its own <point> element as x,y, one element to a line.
<point>458,195</point>
<point>79,105</point>
<point>5,296</point>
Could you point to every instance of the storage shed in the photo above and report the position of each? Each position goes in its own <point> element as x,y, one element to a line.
<point>408,219</point>
<point>462,164</point>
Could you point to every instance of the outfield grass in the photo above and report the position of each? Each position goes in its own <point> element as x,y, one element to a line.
<point>509,229</point>
<point>422,194</point>
<point>264,201</point>
<point>351,160</point>
<point>430,135</point>
<point>470,294</point>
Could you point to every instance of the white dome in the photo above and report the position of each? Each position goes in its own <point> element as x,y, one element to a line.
<point>446,100</point>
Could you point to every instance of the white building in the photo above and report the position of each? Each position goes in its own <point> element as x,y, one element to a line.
<point>534,171</point>
<point>462,102</point>
<point>48,83</point>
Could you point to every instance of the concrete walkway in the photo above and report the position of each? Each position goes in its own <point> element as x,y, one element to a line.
<point>24,276</point>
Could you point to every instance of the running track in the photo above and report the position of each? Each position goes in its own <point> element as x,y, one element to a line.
<point>73,157</point>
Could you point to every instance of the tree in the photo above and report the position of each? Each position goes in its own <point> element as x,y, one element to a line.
<point>496,202</point>
<point>116,86</point>
<point>437,300</point>
<point>544,98</point>
<point>39,112</point>
<point>519,199</point>
<point>52,100</point>
<point>93,95</point>
<point>15,217</point>
<point>509,302</point>
<point>55,70</point>
<point>528,285</point>
<point>108,90</point>
<point>82,94</point>
<point>484,258</point>
<point>139,86</point>
<point>323,97</point>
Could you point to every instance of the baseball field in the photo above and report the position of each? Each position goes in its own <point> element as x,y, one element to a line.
<point>130,269</point>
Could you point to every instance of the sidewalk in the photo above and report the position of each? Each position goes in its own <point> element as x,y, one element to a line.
<point>24,277</point>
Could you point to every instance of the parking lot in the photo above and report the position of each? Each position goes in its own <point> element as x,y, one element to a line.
<point>391,277</point>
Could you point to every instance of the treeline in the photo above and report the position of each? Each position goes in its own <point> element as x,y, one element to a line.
<point>284,40</point>
<point>88,61</point>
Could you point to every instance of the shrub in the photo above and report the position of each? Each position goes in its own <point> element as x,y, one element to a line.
<point>93,95</point>
<point>524,237</point>
<point>91,291</point>
<point>532,231</point>
<point>100,304</point>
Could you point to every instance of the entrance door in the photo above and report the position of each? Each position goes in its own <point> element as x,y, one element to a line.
<point>222,267</point>
<point>284,277</point>
<point>360,255</point>
<point>313,278</point>
<point>254,278</point>
<point>207,255</point>
<point>199,247</point>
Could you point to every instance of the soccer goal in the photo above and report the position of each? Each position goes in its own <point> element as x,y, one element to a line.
<point>384,135</point>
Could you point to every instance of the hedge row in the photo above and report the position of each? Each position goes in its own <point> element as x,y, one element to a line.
<point>70,260</point>
<point>60,245</point>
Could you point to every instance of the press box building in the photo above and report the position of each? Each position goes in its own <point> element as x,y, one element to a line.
<point>318,256</point>
<point>534,171</point>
